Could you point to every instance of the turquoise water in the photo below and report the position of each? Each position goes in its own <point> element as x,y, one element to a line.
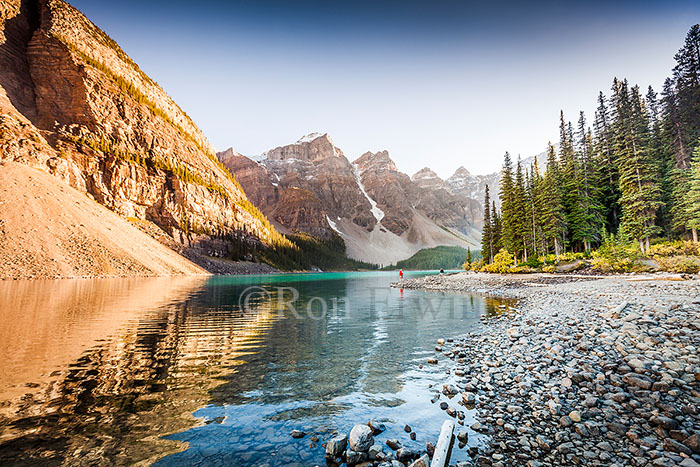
<point>229,366</point>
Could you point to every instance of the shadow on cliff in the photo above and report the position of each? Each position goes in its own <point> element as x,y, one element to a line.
<point>15,76</point>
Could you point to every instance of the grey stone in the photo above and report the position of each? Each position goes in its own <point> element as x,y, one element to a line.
<point>640,381</point>
<point>360,438</point>
<point>406,454</point>
<point>374,450</point>
<point>423,461</point>
<point>354,457</point>
<point>376,426</point>
<point>336,446</point>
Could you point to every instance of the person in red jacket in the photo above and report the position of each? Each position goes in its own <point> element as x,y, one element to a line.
<point>400,273</point>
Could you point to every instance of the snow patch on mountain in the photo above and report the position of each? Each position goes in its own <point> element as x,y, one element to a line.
<point>333,225</point>
<point>310,137</point>
<point>376,212</point>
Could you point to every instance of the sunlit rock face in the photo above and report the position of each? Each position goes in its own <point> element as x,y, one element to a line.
<point>74,104</point>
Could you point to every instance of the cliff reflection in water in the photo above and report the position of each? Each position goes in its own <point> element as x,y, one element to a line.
<point>96,371</point>
<point>129,371</point>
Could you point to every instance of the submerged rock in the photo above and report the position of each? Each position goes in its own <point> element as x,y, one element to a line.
<point>393,443</point>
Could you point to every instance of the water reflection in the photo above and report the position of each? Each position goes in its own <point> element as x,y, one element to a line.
<point>99,371</point>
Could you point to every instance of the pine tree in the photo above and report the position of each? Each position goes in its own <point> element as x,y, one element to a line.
<point>640,191</point>
<point>676,177</point>
<point>487,234</point>
<point>536,207</point>
<point>496,231</point>
<point>569,189</point>
<point>509,238</point>
<point>672,126</point>
<point>520,218</point>
<point>692,205</point>
<point>663,159</point>
<point>553,223</point>
<point>605,173</point>
<point>588,209</point>
<point>686,78</point>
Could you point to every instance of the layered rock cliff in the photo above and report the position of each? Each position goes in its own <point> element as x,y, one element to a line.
<point>73,104</point>
<point>381,214</point>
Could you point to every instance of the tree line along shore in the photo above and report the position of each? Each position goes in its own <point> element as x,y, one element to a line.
<point>620,193</point>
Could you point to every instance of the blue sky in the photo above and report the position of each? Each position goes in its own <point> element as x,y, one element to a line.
<point>438,84</point>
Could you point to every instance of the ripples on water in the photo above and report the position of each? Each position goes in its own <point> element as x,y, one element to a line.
<point>175,371</point>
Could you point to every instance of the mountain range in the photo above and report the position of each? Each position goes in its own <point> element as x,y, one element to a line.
<point>381,213</point>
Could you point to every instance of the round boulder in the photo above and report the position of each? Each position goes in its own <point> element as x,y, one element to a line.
<point>361,438</point>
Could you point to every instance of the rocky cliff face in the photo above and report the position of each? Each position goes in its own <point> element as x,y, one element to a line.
<point>289,207</point>
<point>75,105</point>
<point>425,192</point>
<point>382,214</point>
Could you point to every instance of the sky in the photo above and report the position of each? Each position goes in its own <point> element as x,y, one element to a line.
<point>439,83</point>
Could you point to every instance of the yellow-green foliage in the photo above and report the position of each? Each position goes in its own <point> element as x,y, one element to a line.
<point>549,269</point>
<point>678,256</point>
<point>680,264</point>
<point>571,256</point>
<point>617,254</point>
<point>676,248</point>
<point>502,263</point>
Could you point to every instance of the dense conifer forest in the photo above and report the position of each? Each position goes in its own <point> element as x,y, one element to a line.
<point>440,257</point>
<point>628,176</point>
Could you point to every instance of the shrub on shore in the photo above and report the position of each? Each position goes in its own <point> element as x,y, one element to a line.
<point>680,264</point>
<point>615,255</point>
<point>502,263</point>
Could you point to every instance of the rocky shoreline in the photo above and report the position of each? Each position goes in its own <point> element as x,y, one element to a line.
<point>586,370</point>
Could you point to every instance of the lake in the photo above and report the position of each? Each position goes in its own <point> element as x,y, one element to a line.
<point>220,370</point>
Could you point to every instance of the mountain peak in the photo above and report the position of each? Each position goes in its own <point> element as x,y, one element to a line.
<point>425,173</point>
<point>311,147</point>
<point>228,153</point>
<point>311,137</point>
<point>461,172</point>
<point>379,160</point>
<point>427,178</point>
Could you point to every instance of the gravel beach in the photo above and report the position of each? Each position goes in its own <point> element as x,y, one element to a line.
<point>584,370</point>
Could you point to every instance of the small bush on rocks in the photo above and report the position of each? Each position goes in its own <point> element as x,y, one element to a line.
<point>617,254</point>
<point>502,263</point>
<point>475,265</point>
<point>532,262</point>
